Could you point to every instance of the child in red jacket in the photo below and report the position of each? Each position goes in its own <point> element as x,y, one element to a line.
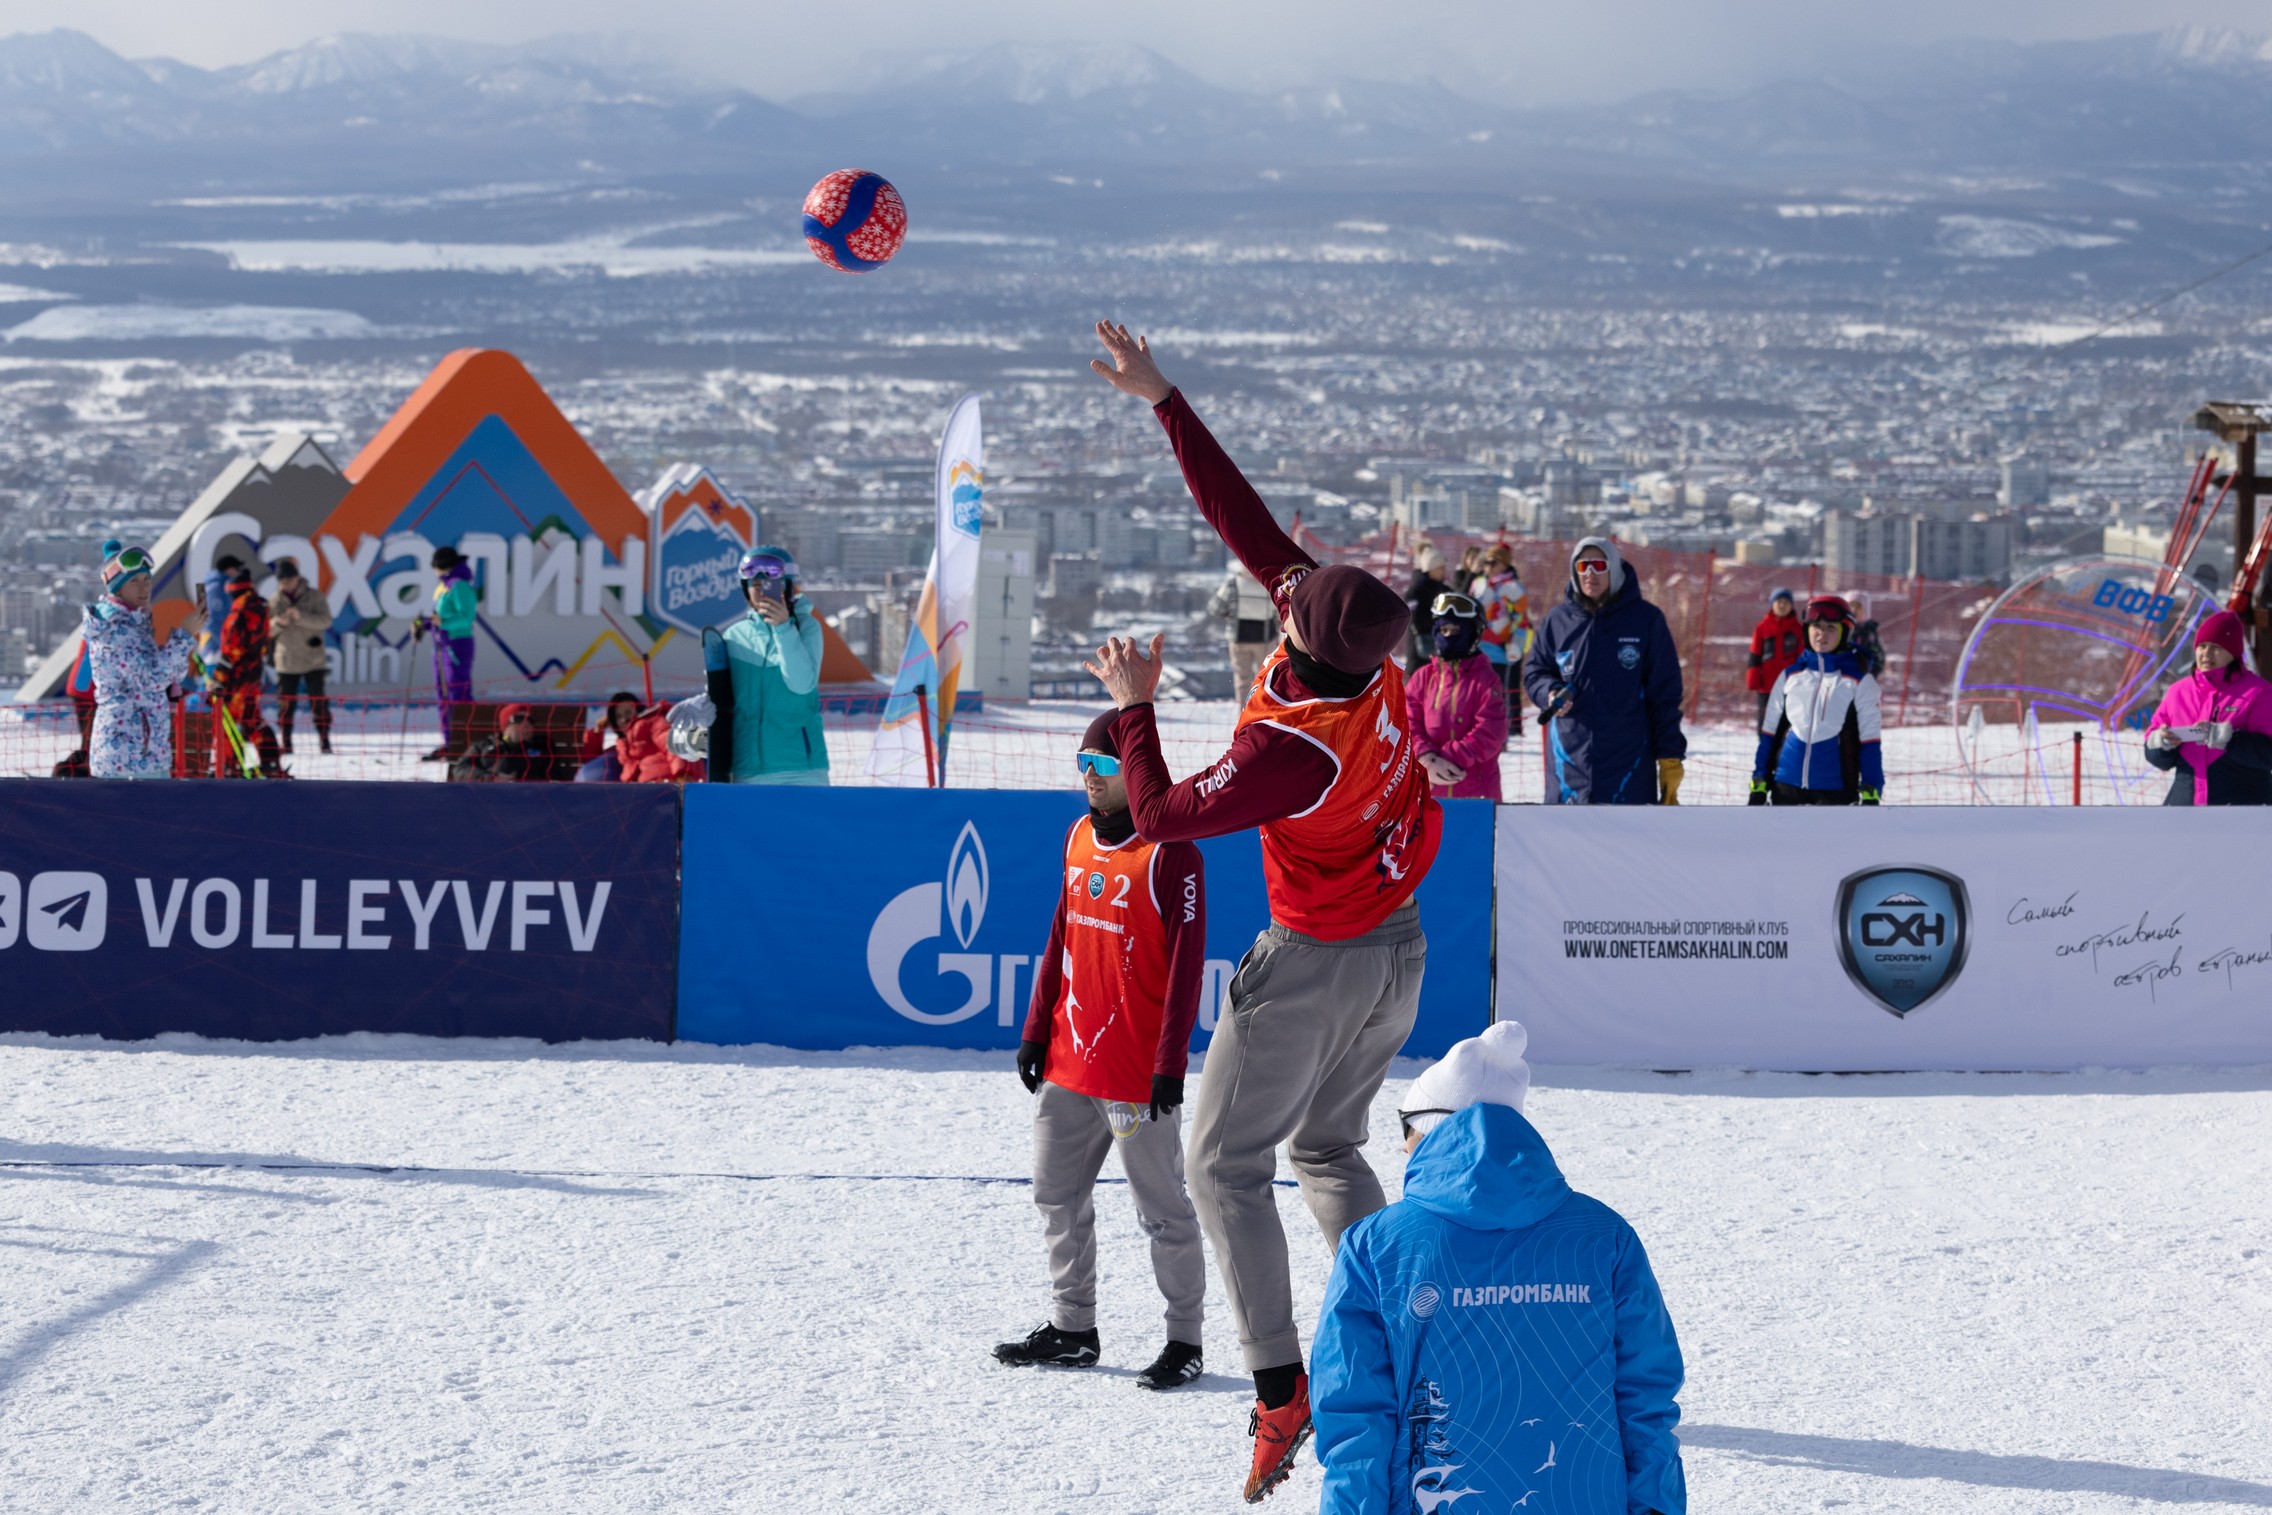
<point>1776,643</point>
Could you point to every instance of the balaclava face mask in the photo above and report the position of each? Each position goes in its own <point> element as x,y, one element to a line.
<point>1455,638</point>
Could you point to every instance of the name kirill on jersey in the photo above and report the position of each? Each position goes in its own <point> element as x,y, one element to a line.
<point>1523,1294</point>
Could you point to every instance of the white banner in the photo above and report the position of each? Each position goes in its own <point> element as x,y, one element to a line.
<point>940,631</point>
<point>1876,939</point>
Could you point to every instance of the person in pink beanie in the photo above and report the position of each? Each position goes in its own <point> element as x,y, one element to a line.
<point>2212,731</point>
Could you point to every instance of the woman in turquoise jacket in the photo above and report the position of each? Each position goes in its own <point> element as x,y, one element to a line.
<point>775,654</point>
<point>1494,1333</point>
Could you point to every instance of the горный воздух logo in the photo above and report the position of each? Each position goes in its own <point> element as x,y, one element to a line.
<point>1903,933</point>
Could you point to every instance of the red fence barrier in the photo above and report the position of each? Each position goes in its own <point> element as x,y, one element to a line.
<point>1711,604</point>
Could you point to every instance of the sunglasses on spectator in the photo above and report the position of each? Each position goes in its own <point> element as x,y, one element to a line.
<point>1101,764</point>
<point>771,568</point>
<point>1451,603</point>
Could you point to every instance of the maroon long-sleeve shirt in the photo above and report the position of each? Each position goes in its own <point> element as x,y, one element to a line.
<point>1269,772</point>
<point>1180,876</point>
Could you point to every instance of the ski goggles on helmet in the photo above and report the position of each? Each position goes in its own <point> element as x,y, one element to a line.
<point>767,563</point>
<point>1102,764</point>
<point>1829,607</point>
<point>1452,602</point>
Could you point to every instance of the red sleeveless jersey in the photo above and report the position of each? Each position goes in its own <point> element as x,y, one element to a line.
<point>1342,866</point>
<point>1105,1033</point>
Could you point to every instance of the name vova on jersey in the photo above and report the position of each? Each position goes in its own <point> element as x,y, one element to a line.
<point>71,912</point>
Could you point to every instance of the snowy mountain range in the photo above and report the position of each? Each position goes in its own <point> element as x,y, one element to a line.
<point>2196,103</point>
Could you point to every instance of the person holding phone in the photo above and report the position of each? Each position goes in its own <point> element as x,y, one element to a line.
<point>774,654</point>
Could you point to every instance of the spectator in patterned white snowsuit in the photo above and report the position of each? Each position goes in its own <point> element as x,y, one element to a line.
<point>133,736</point>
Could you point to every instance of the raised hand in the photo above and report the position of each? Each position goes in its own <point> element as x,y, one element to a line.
<point>1129,674</point>
<point>1131,370</point>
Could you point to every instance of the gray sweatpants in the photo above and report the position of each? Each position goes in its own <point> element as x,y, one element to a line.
<point>1070,1139</point>
<point>1297,1058</point>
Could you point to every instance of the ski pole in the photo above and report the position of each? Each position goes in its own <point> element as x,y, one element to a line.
<point>409,672</point>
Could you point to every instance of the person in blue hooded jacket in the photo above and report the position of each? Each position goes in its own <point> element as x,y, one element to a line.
<point>1605,676</point>
<point>1493,1333</point>
<point>1819,730</point>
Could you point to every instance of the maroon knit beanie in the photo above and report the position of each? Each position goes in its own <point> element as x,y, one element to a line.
<point>1098,738</point>
<point>2225,630</point>
<point>1348,619</point>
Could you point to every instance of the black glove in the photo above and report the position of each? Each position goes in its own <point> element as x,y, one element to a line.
<point>1167,1093</point>
<point>1031,1056</point>
<point>1758,792</point>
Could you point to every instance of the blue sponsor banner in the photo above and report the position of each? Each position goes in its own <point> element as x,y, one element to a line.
<point>278,910</point>
<point>826,918</point>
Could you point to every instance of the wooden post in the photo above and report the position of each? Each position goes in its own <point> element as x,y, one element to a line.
<point>930,755</point>
<point>2244,498</point>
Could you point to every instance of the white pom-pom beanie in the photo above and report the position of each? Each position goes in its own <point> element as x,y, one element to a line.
<point>1483,1070</point>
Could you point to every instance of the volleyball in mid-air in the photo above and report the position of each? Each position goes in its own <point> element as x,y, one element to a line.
<point>854,220</point>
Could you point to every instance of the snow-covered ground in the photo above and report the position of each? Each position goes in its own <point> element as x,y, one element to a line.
<point>395,1274</point>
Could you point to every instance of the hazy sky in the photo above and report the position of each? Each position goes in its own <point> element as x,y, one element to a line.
<point>1520,50</point>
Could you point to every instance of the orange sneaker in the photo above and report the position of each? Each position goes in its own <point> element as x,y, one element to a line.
<point>1278,1434</point>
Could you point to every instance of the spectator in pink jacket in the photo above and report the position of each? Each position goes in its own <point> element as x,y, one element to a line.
<point>2212,732</point>
<point>1457,705</point>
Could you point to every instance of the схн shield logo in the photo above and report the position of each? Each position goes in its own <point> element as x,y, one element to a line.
<point>1903,933</point>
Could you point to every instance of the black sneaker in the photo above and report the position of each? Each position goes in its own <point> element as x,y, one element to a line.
<point>1177,1365</point>
<point>1049,1347</point>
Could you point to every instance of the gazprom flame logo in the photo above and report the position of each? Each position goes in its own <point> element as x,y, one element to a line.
<point>968,494</point>
<point>967,884</point>
<point>924,914</point>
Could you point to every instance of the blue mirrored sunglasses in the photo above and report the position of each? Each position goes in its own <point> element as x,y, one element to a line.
<point>1097,763</point>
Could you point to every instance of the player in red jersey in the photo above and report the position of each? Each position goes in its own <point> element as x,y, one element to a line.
<point>1322,763</point>
<point>1104,1049</point>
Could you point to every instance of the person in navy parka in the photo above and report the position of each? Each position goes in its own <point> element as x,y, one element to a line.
<point>1604,672</point>
<point>1493,1333</point>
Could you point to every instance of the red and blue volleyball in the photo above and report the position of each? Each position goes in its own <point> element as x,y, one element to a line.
<point>854,220</point>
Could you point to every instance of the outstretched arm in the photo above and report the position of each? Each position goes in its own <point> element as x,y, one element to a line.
<point>1222,493</point>
<point>1270,771</point>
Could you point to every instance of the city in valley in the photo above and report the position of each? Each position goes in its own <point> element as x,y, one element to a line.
<point>1784,361</point>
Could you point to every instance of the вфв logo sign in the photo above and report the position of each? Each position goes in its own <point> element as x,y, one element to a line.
<point>1902,933</point>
